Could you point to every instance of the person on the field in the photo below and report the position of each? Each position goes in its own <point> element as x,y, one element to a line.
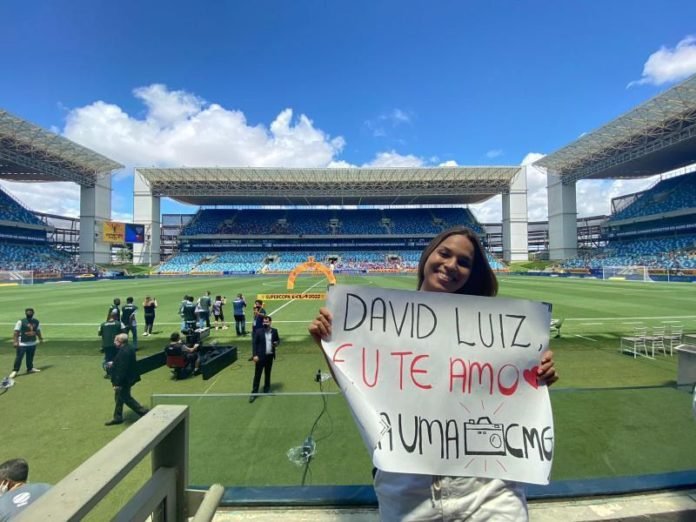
<point>219,313</point>
<point>453,262</point>
<point>177,347</point>
<point>264,344</point>
<point>149,306</point>
<point>108,331</point>
<point>27,333</point>
<point>124,374</point>
<point>15,493</point>
<point>238,305</point>
<point>204,303</point>
<point>128,318</point>
<point>115,307</point>
<point>188,313</point>
<point>256,322</point>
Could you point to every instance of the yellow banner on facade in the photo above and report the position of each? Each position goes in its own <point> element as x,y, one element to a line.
<point>290,297</point>
<point>113,232</point>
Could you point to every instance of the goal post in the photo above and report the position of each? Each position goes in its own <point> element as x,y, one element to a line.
<point>16,277</point>
<point>626,273</point>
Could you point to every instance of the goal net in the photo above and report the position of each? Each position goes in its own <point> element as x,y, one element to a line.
<point>626,273</point>
<point>16,277</point>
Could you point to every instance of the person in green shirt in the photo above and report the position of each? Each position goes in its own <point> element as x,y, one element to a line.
<point>189,314</point>
<point>108,330</point>
<point>128,318</point>
<point>115,307</point>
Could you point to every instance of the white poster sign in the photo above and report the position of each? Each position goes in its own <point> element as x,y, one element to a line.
<point>444,384</point>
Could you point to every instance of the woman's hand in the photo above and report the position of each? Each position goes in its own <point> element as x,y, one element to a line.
<point>320,327</point>
<point>546,374</point>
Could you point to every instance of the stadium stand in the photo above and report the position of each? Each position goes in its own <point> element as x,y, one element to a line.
<point>668,195</point>
<point>25,246</point>
<point>12,211</point>
<point>355,240</point>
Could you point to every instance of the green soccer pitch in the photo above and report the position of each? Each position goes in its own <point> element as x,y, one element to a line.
<point>614,415</point>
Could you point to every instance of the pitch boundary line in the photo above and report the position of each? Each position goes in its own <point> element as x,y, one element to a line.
<point>625,320</point>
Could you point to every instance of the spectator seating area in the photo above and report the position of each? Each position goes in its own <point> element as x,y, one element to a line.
<point>674,252</point>
<point>422,223</point>
<point>296,222</point>
<point>666,196</point>
<point>24,248</point>
<point>285,261</point>
<point>11,210</point>
<point>39,257</point>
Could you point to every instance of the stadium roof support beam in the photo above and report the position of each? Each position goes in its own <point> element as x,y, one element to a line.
<point>95,208</point>
<point>563,215</point>
<point>515,218</point>
<point>146,211</point>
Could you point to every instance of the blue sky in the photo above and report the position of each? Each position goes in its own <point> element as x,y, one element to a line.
<point>322,83</point>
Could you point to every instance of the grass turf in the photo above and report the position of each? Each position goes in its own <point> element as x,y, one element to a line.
<point>614,415</point>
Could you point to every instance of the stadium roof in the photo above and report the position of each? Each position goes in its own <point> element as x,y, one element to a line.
<point>341,186</point>
<point>30,153</point>
<point>653,138</point>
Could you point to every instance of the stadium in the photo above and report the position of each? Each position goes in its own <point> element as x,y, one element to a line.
<point>620,286</point>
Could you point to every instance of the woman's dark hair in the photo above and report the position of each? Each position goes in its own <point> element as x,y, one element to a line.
<point>482,280</point>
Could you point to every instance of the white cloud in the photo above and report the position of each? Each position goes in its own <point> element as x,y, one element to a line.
<point>380,125</point>
<point>394,159</point>
<point>494,153</point>
<point>669,65</point>
<point>449,163</point>
<point>61,198</point>
<point>398,116</point>
<point>532,157</point>
<point>179,128</point>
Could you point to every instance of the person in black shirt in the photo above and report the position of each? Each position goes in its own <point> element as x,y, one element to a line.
<point>128,318</point>
<point>149,306</point>
<point>177,347</point>
<point>124,374</point>
<point>108,331</point>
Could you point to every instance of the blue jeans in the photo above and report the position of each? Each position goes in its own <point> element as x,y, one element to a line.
<point>21,350</point>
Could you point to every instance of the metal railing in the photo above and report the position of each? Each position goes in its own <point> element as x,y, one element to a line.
<point>163,433</point>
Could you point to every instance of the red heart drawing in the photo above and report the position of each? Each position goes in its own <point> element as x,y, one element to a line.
<point>531,376</point>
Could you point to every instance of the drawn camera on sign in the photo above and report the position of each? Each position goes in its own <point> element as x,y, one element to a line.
<point>483,437</point>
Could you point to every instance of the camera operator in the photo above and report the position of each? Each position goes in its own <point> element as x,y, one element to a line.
<point>191,353</point>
